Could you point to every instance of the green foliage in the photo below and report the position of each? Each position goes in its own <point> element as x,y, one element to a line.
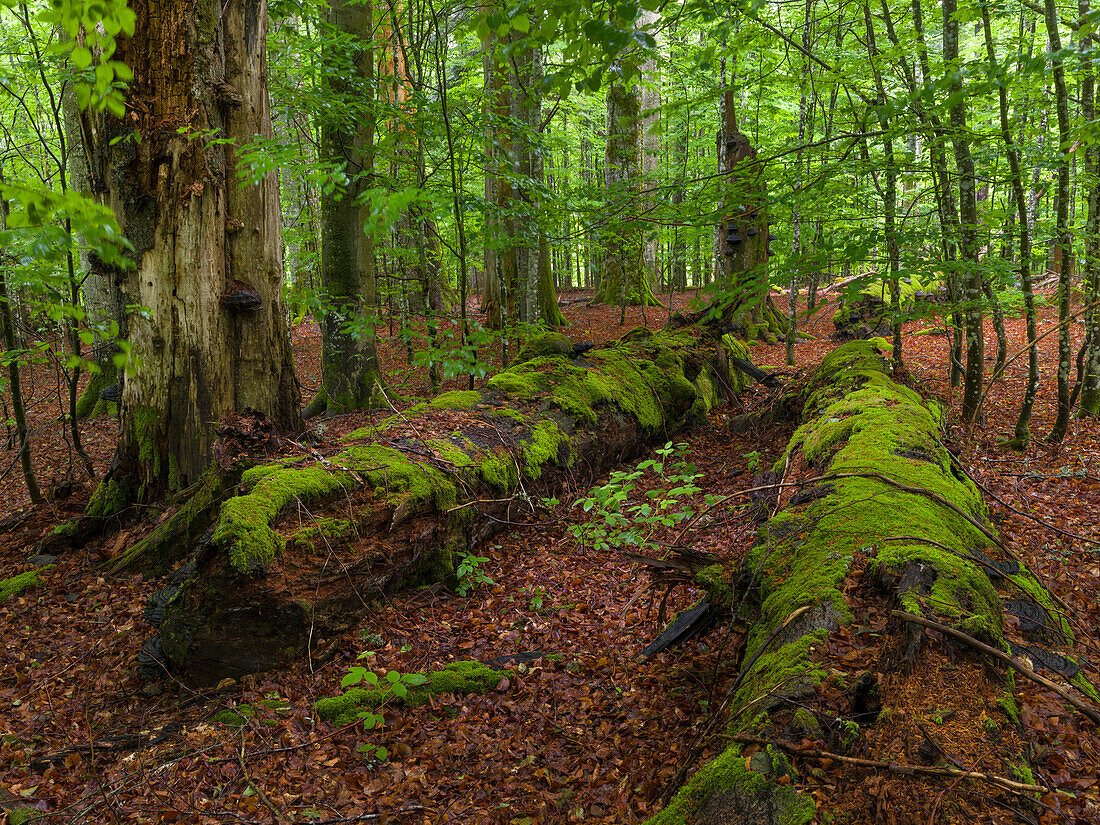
<point>619,520</point>
<point>455,357</point>
<point>470,575</point>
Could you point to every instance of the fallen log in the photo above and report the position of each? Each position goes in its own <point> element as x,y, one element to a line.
<point>308,541</point>
<point>868,502</point>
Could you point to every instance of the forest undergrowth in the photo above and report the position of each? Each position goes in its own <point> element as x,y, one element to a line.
<point>586,733</point>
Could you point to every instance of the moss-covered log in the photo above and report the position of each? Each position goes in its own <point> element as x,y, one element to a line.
<point>308,542</point>
<point>872,504</point>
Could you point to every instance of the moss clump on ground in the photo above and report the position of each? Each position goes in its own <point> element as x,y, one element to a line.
<point>235,717</point>
<point>727,785</point>
<point>458,677</point>
<point>24,581</point>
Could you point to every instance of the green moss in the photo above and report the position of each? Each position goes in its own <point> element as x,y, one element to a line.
<point>400,476</point>
<point>543,446</point>
<point>22,815</point>
<point>244,524</point>
<point>1023,773</point>
<point>235,717</point>
<point>805,723</point>
<point>324,530</point>
<point>455,400</point>
<point>110,498</point>
<point>450,452</point>
<point>520,383</point>
<point>499,471</point>
<point>24,581</point>
<point>458,677</point>
<point>741,790</point>
<point>145,423</point>
<point>789,671</point>
<point>717,580</point>
<point>546,344</point>
<point>66,528</point>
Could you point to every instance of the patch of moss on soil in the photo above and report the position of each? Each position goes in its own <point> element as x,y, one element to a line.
<point>24,581</point>
<point>457,677</point>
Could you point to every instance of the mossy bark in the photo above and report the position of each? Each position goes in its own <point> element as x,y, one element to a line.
<point>871,500</point>
<point>422,487</point>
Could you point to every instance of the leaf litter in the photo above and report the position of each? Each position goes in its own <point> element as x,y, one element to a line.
<point>585,733</point>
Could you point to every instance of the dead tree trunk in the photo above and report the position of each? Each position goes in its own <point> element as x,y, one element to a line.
<point>871,504</point>
<point>309,541</point>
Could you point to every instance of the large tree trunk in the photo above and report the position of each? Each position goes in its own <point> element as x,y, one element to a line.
<point>396,506</point>
<point>350,375</point>
<point>626,278</point>
<point>208,265</point>
<point>871,505</point>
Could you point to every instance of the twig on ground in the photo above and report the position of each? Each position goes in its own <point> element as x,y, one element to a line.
<point>1011,661</point>
<point>901,768</point>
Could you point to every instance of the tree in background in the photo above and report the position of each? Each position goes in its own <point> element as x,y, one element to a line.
<point>350,375</point>
<point>626,278</point>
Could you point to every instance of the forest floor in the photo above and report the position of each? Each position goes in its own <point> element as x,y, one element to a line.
<point>597,736</point>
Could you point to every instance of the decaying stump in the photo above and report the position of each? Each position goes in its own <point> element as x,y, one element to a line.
<point>306,542</point>
<point>873,505</point>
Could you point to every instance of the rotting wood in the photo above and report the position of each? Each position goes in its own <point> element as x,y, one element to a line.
<point>877,446</point>
<point>304,546</point>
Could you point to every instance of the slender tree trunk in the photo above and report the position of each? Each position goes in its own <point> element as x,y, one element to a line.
<point>1090,380</point>
<point>350,374</point>
<point>7,329</point>
<point>1065,247</point>
<point>805,113</point>
<point>945,200</point>
<point>889,196</point>
<point>970,277</point>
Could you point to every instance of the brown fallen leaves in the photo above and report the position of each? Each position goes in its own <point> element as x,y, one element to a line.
<point>594,736</point>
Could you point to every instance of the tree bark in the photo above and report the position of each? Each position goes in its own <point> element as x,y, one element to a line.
<point>626,278</point>
<point>350,374</point>
<point>208,262</point>
<point>970,278</point>
<point>1064,243</point>
<point>396,507</point>
<point>1090,382</point>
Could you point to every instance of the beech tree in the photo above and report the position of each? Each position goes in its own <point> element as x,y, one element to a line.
<point>350,376</point>
<point>209,335</point>
<point>626,277</point>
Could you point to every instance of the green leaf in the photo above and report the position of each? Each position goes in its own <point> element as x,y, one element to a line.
<point>521,23</point>
<point>81,57</point>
